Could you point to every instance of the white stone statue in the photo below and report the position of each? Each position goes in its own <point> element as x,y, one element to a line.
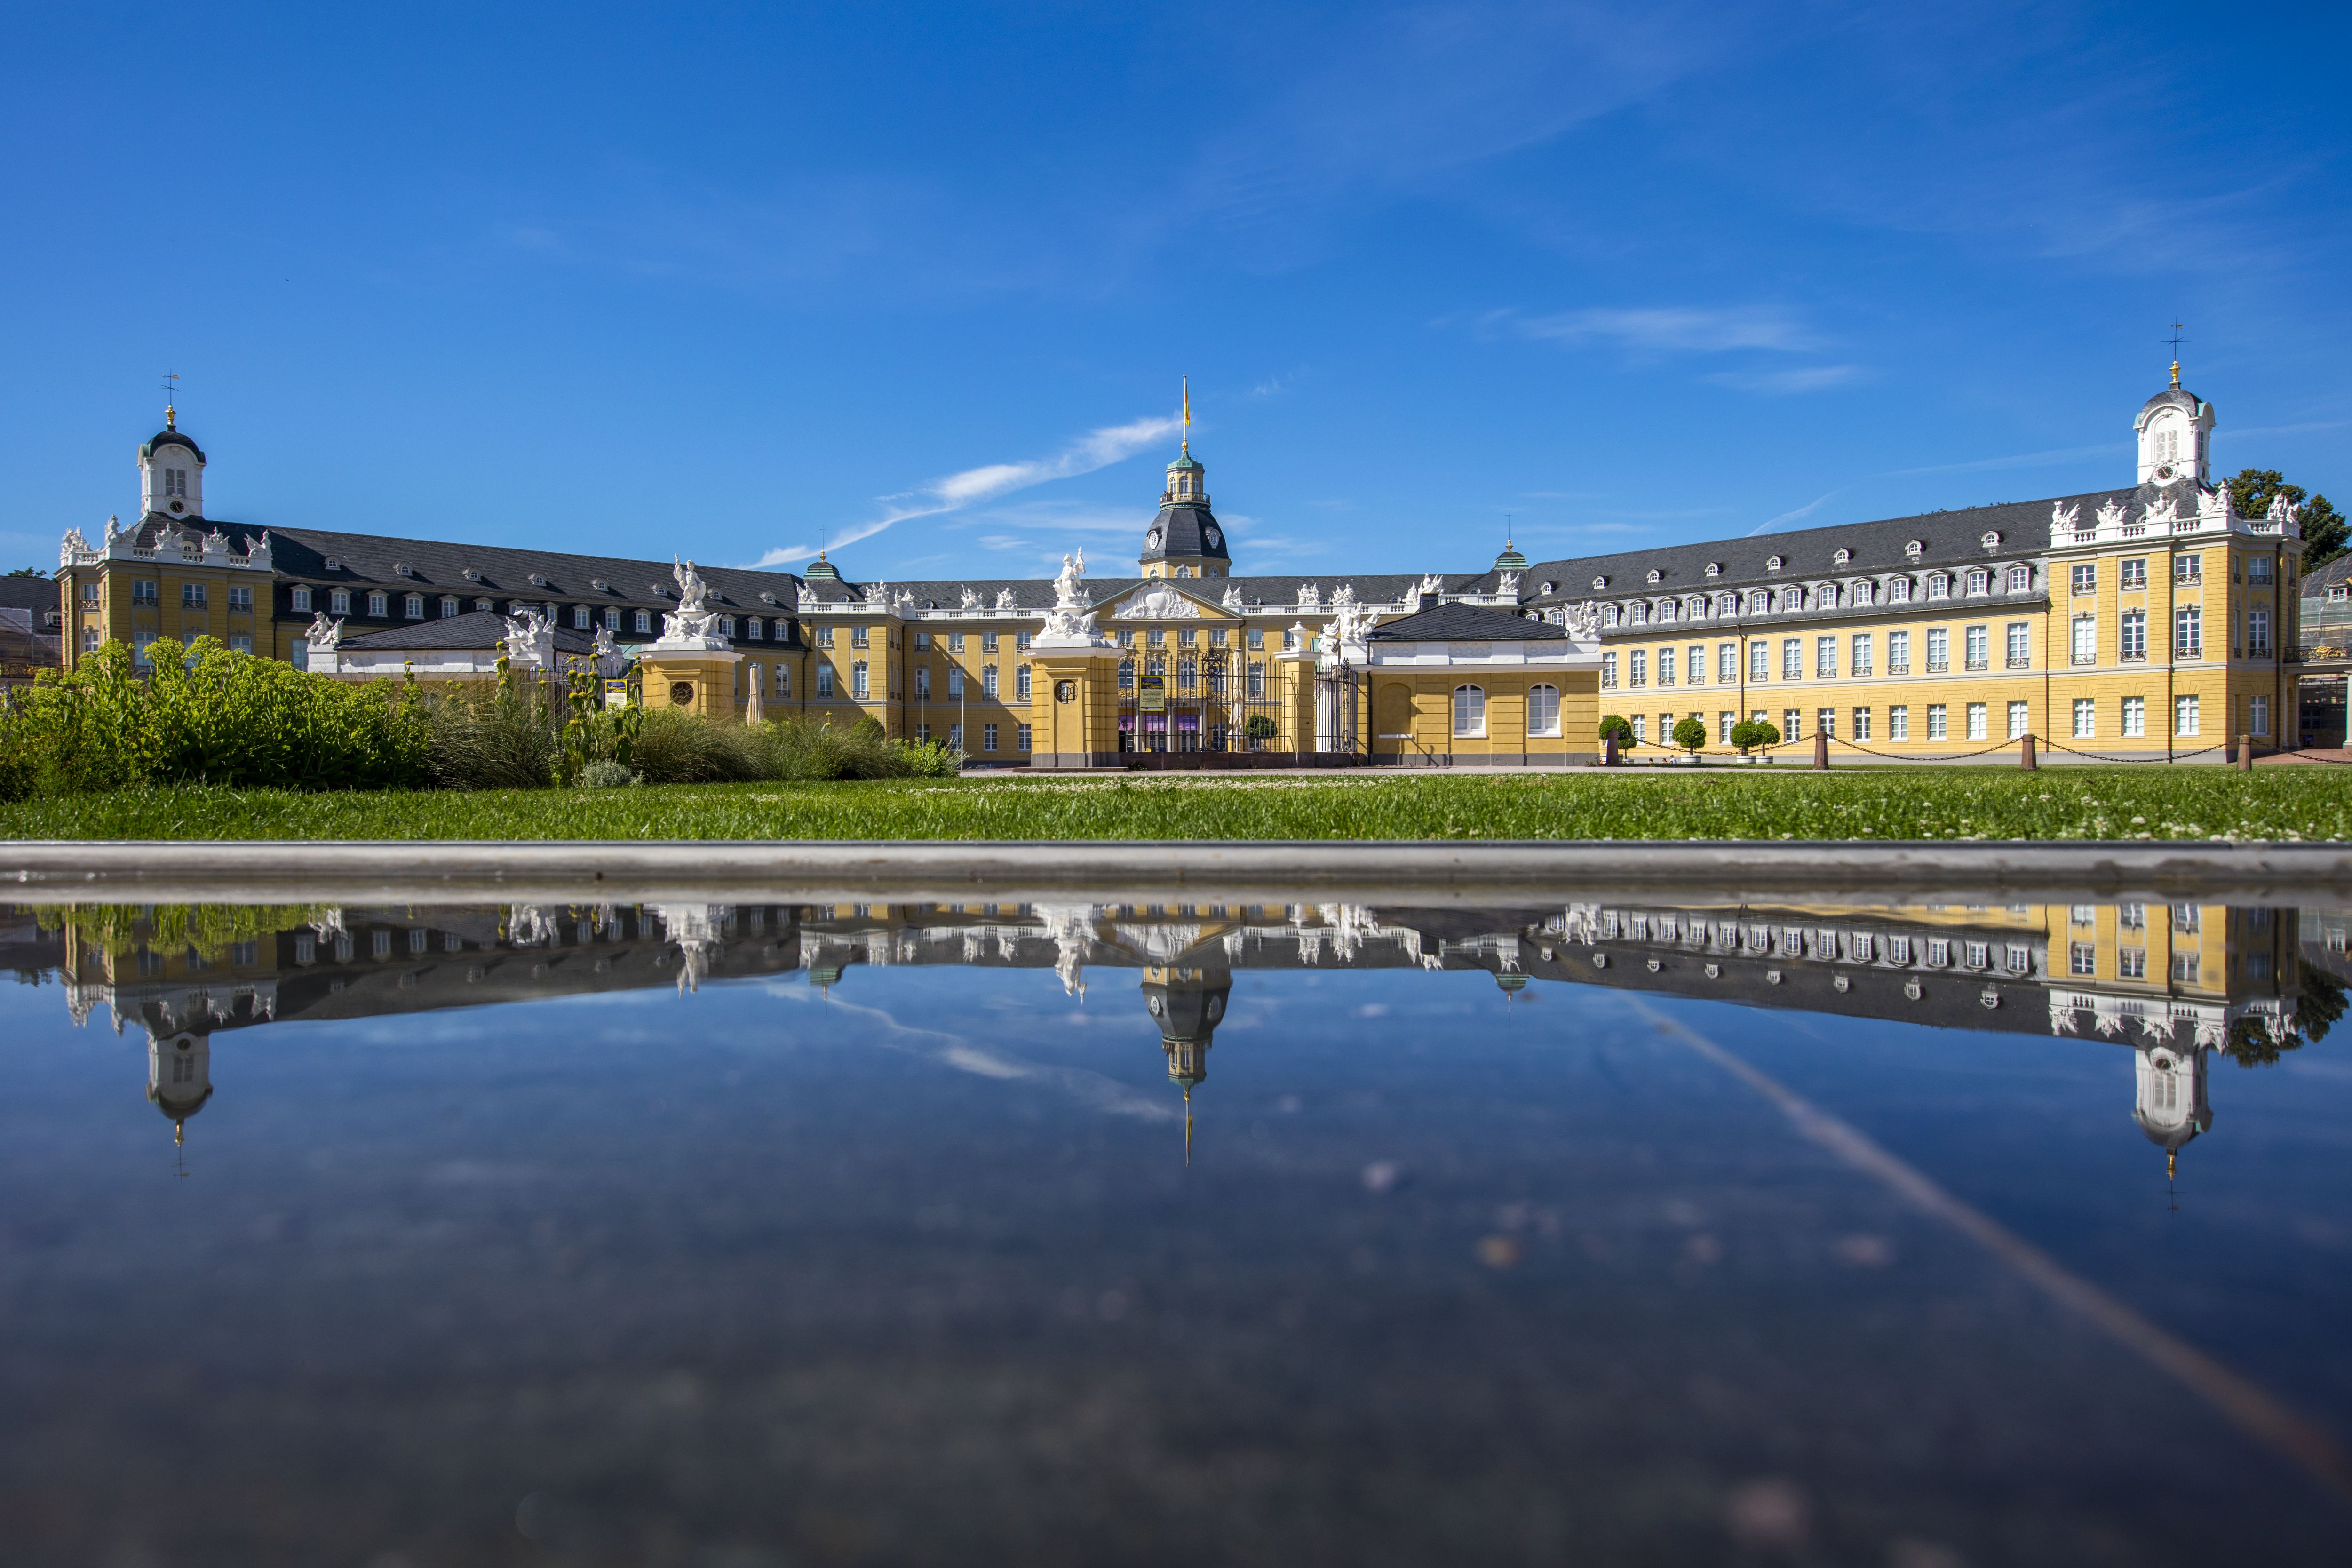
<point>878,593</point>
<point>216,542</point>
<point>1583,623</point>
<point>2162,514</point>
<point>73,549</point>
<point>1508,585</point>
<point>1310,597</point>
<point>2111,513</point>
<point>1004,600</point>
<point>2282,510</point>
<point>971,600</point>
<point>693,625</point>
<point>530,638</point>
<point>2062,520</point>
<point>114,529</point>
<point>1159,604</point>
<point>1343,594</point>
<point>691,588</point>
<point>1071,622</point>
<point>323,634</point>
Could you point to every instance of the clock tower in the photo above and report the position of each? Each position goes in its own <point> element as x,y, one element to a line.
<point>1185,540</point>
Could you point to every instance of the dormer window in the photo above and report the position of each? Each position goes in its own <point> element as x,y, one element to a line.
<point>1656,576</point>
<point>402,569</point>
<point>1600,582</point>
<point>1609,614</point>
<point>335,564</point>
<point>1641,615</point>
<point>1760,603</point>
<point>538,580</point>
<point>1715,568</point>
<point>1991,540</point>
<point>1772,564</point>
<point>600,585</point>
<point>1914,548</point>
<point>473,574</point>
<point>1841,558</point>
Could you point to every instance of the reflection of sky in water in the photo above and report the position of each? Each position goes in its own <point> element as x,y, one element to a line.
<point>909,1266</point>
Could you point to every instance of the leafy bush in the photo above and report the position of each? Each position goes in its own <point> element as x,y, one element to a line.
<point>604,773</point>
<point>206,714</point>
<point>1750,733</point>
<point>1691,734</point>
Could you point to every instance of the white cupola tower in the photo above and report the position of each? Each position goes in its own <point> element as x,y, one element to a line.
<point>2176,437</point>
<point>171,473</point>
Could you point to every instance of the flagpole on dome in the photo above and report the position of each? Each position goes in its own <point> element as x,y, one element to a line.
<point>1188,415</point>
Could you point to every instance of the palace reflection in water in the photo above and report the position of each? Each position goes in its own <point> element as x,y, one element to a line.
<point>2174,984</point>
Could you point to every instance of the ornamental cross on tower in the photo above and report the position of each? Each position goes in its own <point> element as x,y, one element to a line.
<point>171,396</point>
<point>2176,341</point>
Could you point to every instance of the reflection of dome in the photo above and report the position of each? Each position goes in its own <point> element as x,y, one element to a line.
<point>1511,980</point>
<point>1187,1004</point>
<point>2169,1106</point>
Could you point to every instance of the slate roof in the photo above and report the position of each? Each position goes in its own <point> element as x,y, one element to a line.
<point>1809,555</point>
<point>2171,396</point>
<point>29,593</point>
<point>169,438</point>
<point>367,559</point>
<point>476,629</point>
<point>1186,528</point>
<point>1467,622</point>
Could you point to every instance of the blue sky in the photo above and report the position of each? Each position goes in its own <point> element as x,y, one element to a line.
<point>726,280</point>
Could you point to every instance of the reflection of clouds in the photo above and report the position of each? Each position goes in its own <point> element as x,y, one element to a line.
<point>1093,1089</point>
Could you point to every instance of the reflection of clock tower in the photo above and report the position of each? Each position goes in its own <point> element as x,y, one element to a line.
<point>1187,1004</point>
<point>1184,540</point>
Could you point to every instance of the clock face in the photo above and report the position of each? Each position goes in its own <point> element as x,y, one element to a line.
<point>1151,540</point>
<point>2164,472</point>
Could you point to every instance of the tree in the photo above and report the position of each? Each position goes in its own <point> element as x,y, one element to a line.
<point>1749,733</point>
<point>1615,724</point>
<point>2323,528</point>
<point>28,571</point>
<point>1690,735</point>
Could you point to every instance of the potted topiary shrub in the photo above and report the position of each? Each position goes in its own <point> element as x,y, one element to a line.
<point>1690,735</point>
<point>1615,733</point>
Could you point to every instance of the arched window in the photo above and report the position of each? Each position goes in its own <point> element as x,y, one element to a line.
<point>1543,710</point>
<point>1469,711</point>
<point>1609,616</point>
<point>1183,570</point>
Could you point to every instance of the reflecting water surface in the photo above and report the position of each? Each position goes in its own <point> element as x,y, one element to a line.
<point>1594,1232</point>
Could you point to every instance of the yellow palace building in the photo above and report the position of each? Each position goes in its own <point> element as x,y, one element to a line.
<point>2145,622</point>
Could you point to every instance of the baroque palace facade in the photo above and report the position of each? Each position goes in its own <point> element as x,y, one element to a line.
<point>2150,621</point>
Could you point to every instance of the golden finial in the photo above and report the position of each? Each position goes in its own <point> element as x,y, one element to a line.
<point>2171,1163</point>
<point>170,396</point>
<point>2176,340</point>
<point>2176,375</point>
<point>1188,415</point>
<point>179,1131</point>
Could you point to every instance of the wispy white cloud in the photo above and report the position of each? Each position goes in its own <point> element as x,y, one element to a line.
<point>1805,511</point>
<point>1807,378</point>
<point>1671,329</point>
<point>1096,449</point>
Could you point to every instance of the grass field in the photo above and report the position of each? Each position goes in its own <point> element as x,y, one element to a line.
<point>2313,803</point>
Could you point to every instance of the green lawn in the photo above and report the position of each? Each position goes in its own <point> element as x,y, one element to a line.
<point>1953,803</point>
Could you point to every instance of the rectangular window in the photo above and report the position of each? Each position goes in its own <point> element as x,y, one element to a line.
<point>1723,723</point>
<point>1979,580</point>
<point>1020,683</point>
<point>192,596</point>
<point>2020,717</point>
<point>1665,667</point>
<point>858,689</point>
<point>2135,716</point>
<point>1791,724</point>
<point>1861,724</point>
<point>2257,632</point>
<point>2020,579</point>
<point>955,737</point>
<point>1641,729</point>
<point>2184,968</point>
<point>2020,959</point>
<point>240,601</point>
<point>1937,728</point>
<point>1760,659</point>
<point>141,643</point>
<point>1727,662</point>
<point>987,645</point>
<point>783,681</point>
<point>1979,647</point>
<point>755,628</point>
<point>90,640</point>
<point>301,599</point>
<point>2085,578</point>
<point>1470,713</point>
<point>244,644</point>
<point>955,682</point>
<point>988,683</point>
<point>2258,716</point>
<point>645,621</point>
<point>857,637</point>
<point>413,607</point>
<point>1978,954</point>
<point>2184,716</point>
<point>2188,568</point>
<point>2135,574</point>
<point>1021,734</point>
<point>1899,721</point>
<point>727,625</point>
<point>824,680</point>
<point>379,602</point>
<point>988,737</point>
<point>1939,652</point>
<point>1899,591</point>
<point>2131,635</point>
<point>1862,660</point>
<point>611,617</point>
<point>1637,667</point>
<point>2189,632</point>
<point>1792,658</point>
<point>824,636</point>
<point>2020,645</point>
<point>1608,672</point>
<point>1898,653</point>
<point>339,603</point>
<point>1697,664</point>
<point>2258,571</point>
<point>1825,658</point>
<point>1979,721</point>
<point>1939,586</point>
<point>2086,631</point>
<point>2086,718</point>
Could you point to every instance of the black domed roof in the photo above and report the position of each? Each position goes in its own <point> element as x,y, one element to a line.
<point>169,437</point>
<point>2173,396</point>
<point>1185,530</point>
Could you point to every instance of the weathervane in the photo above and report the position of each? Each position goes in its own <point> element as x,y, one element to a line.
<point>171,396</point>
<point>2176,341</point>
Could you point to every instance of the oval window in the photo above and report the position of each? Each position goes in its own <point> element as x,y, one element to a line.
<point>681,694</point>
<point>1065,691</point>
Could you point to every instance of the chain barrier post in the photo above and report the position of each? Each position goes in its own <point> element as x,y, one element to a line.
<point>1821,750</point>
<point>1609,750</point>
<point>2245,753</point>
<point>2025,758</point>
